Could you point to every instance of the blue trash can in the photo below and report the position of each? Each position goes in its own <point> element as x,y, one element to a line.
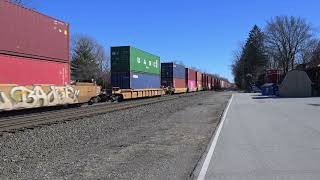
<point>269,89</point>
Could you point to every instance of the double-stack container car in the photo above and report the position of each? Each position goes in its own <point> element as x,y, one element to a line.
<point>35,62</point>
<point>173,78</point>
<point>216,84</point>
<point>191,80</point>
<point>205,82</point>
<point>199,81</point>
<point>135,73</point>
<point>211,80</point>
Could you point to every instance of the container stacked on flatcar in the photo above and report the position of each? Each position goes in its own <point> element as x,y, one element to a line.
<point>191,80</point>
<point>217,84</point>
<point>273,76</point>
<point>134,73</point>
<point>34,48</point>
<point>208,87</point>
<point>34,61</point>
<point>173,77</point>
<point>211,82</point>
<point>206,81</point>
<point>199,81</point>
<point>223,85</point>
<point>132,68</point>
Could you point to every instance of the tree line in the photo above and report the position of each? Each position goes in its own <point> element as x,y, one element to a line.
<point>284,43</point>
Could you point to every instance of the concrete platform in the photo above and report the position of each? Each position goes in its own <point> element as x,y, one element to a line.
<point>268,138</point>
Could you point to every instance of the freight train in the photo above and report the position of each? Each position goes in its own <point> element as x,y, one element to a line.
<point>136,73</point>
<point>35,67</point>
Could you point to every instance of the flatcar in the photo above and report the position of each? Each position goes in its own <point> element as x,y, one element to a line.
<point>173,78</point>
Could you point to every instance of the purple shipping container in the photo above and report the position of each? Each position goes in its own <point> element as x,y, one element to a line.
<point>134,80</point>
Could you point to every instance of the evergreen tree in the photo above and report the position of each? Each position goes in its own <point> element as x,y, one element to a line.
<point>254,52</point>
<point>84,66</point>
<point>252,61</point>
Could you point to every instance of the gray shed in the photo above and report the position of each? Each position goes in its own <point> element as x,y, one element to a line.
<point>296,84</point>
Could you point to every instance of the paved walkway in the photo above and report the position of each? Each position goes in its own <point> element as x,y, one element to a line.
<point>268,138</point>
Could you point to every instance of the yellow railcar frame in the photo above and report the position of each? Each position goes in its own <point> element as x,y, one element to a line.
<point>126,94</point>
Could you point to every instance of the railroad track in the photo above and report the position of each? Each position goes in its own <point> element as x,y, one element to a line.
<point>20,122</point>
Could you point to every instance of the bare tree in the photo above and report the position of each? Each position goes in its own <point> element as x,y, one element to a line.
<point>24,3</point>
<point>17,1</point>
<point>307,52</point>
<point>315,59</point>
<point>287,38</point>
<point>104,76</point>
<point>237,67</point>
<point>20,2</point>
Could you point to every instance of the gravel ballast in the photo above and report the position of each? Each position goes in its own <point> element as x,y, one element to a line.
<point>158,141</point>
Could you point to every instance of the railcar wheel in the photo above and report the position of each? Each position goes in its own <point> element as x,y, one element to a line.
<point>118,98</point>
<point>94,100</point>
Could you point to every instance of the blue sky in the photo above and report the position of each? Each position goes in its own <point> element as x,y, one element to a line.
<point>200,33</point>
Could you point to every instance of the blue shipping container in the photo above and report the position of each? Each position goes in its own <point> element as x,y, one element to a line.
<point>135,80</point>
<point>172,70</point>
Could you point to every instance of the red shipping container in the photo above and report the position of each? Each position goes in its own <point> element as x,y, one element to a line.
<point>191,74</point>
<point>25,32</point>
<point>208,84</point>
<point>205,81</point>
<point>192,85</point>
<point>216,83</point>
<point>199,80</point>
<point>173,82</point>
<point>273,76</point>
<point>211,85</point>
<point>199,76</point>
<point>26,71</point>
<point>179,83</point>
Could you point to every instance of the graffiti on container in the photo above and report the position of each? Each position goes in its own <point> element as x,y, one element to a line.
<point>26,97</point>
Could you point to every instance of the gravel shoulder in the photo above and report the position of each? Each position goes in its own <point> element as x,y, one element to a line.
<point>158,141</point>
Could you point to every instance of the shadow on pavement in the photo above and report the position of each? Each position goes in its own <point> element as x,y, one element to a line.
<point>277,97</point>
<point>317,105</point>
<point>265,97</point>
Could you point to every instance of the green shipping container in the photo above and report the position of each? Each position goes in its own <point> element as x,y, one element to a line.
<point>130,59</point>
